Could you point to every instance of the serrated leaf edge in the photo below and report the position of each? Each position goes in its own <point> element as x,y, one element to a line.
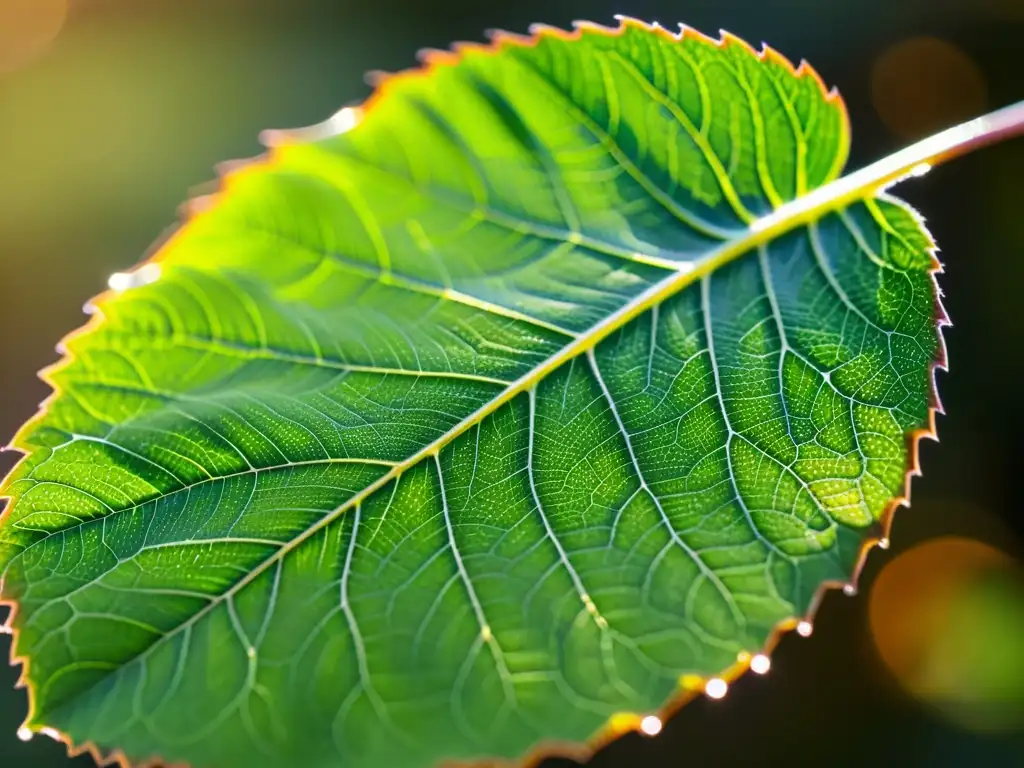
<point>870,180</point>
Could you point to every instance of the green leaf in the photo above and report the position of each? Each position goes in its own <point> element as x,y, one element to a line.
<point>544,393</point>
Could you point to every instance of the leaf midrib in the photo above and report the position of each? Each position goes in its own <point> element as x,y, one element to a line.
<point>654,296</point>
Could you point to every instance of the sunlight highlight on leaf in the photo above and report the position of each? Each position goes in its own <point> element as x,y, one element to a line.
<point>512,408</point>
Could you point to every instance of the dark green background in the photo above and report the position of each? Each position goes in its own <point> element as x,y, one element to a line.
<point>103,135</point>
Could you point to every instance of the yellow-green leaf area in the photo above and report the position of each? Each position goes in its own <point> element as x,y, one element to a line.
<point>469,427</point>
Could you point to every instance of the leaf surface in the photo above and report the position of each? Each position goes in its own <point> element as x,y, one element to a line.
<point>473,426</point>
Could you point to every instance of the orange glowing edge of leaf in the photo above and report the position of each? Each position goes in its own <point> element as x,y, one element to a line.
<point>691,687</point>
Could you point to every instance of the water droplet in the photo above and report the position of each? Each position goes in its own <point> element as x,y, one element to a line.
<point>51,732</point>
<point>804,629</point>
<point>760,664</point>
<point>849,590</point>
<point>343,120</point>
<point>716,688</point>
<point>144,275</point>
<point>651,725</point>
<point>883,543</point>
<point>25,734</point>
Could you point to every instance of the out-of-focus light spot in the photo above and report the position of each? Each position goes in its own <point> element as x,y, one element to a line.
<point>760,664</point>
<point>947,618</point>
<point>651,725</point>
<point>27,27</point>
<point>25,734</point>
<point>924,84</point>
<point>804,629</point>
<point>716,688</point>
<point>144,275</point>
<point>910,588</point>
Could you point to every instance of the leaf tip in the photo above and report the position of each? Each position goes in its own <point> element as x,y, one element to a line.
<point>429,57</point>
<point>584,25</point>
<point>499,37</point>
<point>374,77</point>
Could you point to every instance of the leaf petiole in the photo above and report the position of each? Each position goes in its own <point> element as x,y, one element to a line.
<point>912,161</point>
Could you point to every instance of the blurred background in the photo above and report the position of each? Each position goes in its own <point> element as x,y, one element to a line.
<point>112,112</point>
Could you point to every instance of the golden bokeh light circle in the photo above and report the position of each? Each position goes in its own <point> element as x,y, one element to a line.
<point>27,28</point>
<point>925,84</point>
<point>945,639</point>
